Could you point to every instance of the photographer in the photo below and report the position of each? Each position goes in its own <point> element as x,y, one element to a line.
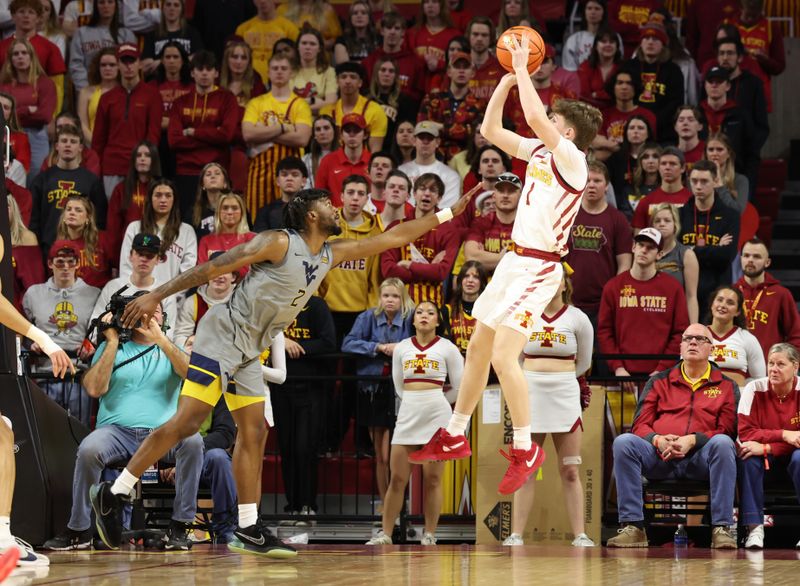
<point>138,384</point>
<point>144,257</point>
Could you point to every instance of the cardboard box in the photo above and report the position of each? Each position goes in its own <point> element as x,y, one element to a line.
<point>548,521</point>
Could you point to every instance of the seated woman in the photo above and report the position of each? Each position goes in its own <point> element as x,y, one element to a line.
<point>162,217</point>
<point>420,365</point>
<point>769,436</point>
<point>230,228</point>
<point>644,179</point>
<point>103,75</point>
<point>603,61</point>
<point>213,183</point>
<point>737,352</point>
<point>676,259</point>
<point>314,80</point>
<point>77,223</point>
<point>719,151</point>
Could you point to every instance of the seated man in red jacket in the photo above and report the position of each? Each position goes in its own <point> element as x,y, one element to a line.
<point>683,428</point>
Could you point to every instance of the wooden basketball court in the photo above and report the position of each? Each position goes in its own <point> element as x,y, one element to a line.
<point>355,565</point>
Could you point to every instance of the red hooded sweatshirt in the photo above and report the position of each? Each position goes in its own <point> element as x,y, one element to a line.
<point>771,312</point>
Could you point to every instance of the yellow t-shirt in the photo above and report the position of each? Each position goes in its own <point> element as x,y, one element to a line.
<point>372,113</point>
<point>326,22</point>
<point>309,83</point>
<point>267,110</point>
<point>261,36</point>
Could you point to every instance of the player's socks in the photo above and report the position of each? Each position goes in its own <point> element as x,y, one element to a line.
<point>458,423</point>
<point>248,514</point>
<point>124,484</point>
<point>522,438</point>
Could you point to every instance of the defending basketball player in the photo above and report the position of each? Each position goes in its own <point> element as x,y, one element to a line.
<point>527,278</point>
<point>24,556</point>
<point>286,268</point>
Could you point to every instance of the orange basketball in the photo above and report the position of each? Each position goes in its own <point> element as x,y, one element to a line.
<point>536,47</point>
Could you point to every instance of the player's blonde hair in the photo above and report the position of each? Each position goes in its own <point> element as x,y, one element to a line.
<point>583,118</point>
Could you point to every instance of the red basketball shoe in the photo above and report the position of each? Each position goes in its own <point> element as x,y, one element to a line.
<point>442,446</point>
<point>523,464</point>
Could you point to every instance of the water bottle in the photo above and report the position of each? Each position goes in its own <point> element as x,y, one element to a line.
<point>681,539</point>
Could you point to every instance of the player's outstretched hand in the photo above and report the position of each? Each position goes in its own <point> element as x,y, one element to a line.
<point>139,310</point>
<point>61,364</point>
<point>463,201</point>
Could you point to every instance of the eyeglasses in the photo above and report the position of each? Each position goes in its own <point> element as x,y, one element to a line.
<point>698,339</point>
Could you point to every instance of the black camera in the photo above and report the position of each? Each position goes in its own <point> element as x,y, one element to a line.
<point>116,307</point>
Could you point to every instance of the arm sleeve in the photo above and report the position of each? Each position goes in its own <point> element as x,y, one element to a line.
<point>277,372</point>
<point>646,410</point>
<point>77,64</point>
<point>790,319</point>
<point>397,369</point>
<point>154,117</point>
<point>223,429</point>
<point>606,334</point>
<point>756,366</point>
<point>189,259</point>
<point>389,268</point>
<point>584,333</point>
<point>775,61</point>
<point>325,340</point>
<point>140,20</point>
<point>359,339</point>
<point>125,267</point>
<point>46,101</point>
<point>184,321</point>
<point>726,416</point>
<point>720,257</point>
<point>224,133</point>
<point>455,370</point>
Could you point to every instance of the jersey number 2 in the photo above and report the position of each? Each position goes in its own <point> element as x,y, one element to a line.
<point>300,293</point>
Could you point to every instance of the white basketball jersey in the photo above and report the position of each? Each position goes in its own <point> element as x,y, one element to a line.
<point>551,196</point>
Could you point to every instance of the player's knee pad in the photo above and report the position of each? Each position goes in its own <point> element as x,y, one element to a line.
<point>571,461</point>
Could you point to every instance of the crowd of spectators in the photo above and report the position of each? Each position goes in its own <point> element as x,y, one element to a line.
<point>144,141</point>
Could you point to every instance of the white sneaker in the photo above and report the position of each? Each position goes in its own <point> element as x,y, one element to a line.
<point>513,539</point>
<point>428,539</point>
<point>380,539</point>
<point>755,539</point>
<point>27,557</point>
<point>582,540</point>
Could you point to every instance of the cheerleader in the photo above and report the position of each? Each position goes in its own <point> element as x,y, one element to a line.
<point>553,357</point>
<point>736,351</point>
<point>420,365</point>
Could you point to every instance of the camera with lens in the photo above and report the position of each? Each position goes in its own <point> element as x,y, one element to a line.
<point>116,307</point>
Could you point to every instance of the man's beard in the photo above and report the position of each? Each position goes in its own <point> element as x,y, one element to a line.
<point>754,273</point>
<point>334,229</point>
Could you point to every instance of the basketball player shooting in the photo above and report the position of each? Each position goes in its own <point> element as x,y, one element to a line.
<point>286,268</point>
<point>527,278</point>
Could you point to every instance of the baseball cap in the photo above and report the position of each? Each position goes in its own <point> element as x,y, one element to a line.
<point>654,29</point>
<point>62,248</point>
<point>717,72</point>
<point>427,127</point>
<point>128,50</point>
<point>146,243</point>
<point>353,118</point>
<point>650,234</point>
<point>460,56</point>
<point>509,178</point>
<point>482,198</point>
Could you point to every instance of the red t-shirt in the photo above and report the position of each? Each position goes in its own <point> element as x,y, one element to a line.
<point>641,216</point>
<point>491,233</point>
<point>694,155</point>
<point>97,273</point>
<point>594,243</point>
<point>117,219</point>
<point>486,78</point>
<point>28,270</point>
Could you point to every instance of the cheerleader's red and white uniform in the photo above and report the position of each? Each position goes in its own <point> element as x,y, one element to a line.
<point>555,396</point>
<point>423,412</point>
<point>739,352</point>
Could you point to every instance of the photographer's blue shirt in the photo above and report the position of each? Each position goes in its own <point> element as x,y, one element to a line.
<point>143,393</point>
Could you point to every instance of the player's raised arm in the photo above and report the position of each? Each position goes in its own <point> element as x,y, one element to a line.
<point>492,125</point>
<point>405,232</point>
<point>266,246</point>
<point>532,105</point>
